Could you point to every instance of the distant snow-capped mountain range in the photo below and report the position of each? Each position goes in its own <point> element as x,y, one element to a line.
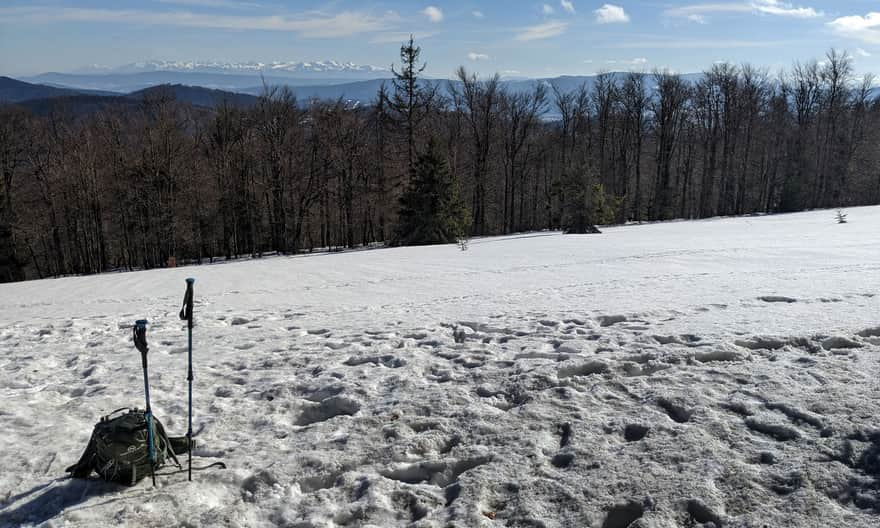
<point>285,68</point>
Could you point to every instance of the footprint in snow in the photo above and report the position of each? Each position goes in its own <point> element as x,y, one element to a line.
<point>675,410</point>
<point>870,332</point>
<point>327,409</point>
<point>623,515</point>
<point>610,320</point>
<point>777,299</point>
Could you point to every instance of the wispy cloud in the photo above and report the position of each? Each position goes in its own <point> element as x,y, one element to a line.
<point>702,10</point>
<point>700,44</point>
<point>211,3</point>
<point>477,14</point>
<point>567,6</point>
<point>474,56</point>
<point>865,28</point>
<point>698,13</point>
<point>611,14</point>
<point>777,7</point>
<point>550,29</point>
<point>311,25</point>
<point>862,53</point>
<point>434,14</point>
<point>638,61</point>
<point>547,9</point>
<point>397,37</point>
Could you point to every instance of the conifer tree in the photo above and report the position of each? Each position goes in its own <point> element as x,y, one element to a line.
<point>431,209</point>
<point>408,98</point>
<point>579,207</point>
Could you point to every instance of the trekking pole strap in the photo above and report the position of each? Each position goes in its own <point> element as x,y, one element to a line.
<point>218,465</point>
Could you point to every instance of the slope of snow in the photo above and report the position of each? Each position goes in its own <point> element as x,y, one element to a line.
<point>660,375</point>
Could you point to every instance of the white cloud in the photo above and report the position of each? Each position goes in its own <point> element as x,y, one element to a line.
<point>865,28</point>
<point>567,6</point>
<point>699,12</point>
<point>777,7</point>
<point>862,53</point>
<point>434,14</point>
<point>307,25</point>
<point>547,30</point>
<point>474,56</point>
<point>611,14</point>
<point>477,14</point>
<point>639,61</point>
<point>547,9</point>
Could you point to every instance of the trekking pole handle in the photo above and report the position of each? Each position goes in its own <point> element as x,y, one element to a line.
<point>139,336</point>
<point>186,311</point>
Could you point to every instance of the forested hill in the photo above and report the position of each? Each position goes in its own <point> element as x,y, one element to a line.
<point>13,91</point>
<point>203,89</point>
<point>42,99</point>
<point>134,185</point>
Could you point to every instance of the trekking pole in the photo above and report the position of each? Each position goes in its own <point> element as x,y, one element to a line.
<point>186,314</point>
<point>140,342</point>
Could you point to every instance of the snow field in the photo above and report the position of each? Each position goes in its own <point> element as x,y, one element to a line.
<point>676,374</point>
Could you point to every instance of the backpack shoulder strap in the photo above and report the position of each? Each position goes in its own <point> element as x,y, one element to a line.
<point>166,443</point>
<point>84,466</point>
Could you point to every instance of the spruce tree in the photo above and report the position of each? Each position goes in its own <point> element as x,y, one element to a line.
<point>578,209</point>
<point>431,209</point>
<point>408,99</point>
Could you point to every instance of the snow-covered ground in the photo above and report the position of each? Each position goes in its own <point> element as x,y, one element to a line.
<point>663,375</point>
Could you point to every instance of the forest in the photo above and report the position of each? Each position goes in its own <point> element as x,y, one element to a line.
<point>163,183</point>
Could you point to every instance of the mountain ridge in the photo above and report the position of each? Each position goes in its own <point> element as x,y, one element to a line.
<point>14,90</point>
<point>331,68</point>
<point>245,91</point>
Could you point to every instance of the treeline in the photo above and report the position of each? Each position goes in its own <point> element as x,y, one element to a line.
<point>138,186</point>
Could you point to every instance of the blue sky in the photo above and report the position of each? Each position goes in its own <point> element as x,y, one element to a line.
<point>512,37</point>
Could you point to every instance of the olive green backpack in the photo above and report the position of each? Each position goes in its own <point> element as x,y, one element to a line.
<point>118,449</point>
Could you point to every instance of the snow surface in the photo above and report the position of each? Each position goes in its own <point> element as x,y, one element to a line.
<point>722,371</point>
